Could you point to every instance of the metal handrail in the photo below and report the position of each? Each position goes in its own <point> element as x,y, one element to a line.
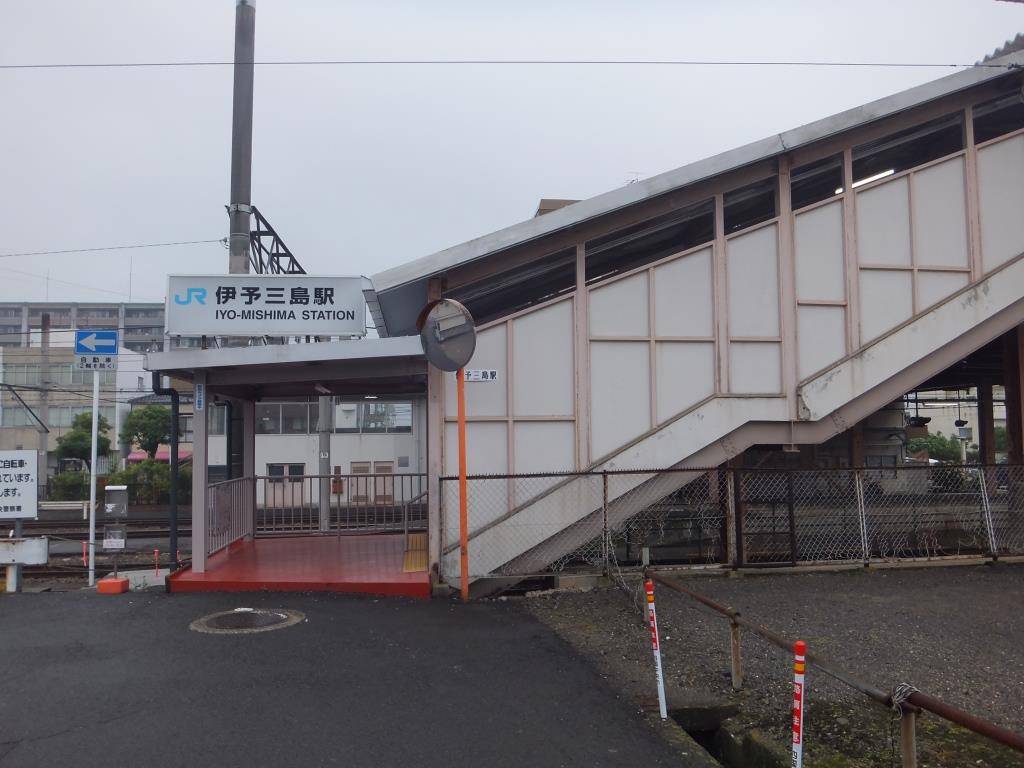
<point>997,733</point>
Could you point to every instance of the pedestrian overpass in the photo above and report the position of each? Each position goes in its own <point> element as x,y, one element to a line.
<point>777,294</point>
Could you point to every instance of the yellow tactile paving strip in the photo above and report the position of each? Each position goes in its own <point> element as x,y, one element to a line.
<point>415,560</point>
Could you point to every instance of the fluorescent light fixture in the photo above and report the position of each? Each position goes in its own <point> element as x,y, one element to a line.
<point>369,397</point>
<point>869,179</point>
<point>321,389</point>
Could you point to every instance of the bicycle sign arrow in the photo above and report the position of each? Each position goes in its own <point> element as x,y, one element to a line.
<point>91,342</point>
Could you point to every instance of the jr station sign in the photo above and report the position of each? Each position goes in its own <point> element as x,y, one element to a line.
<point>273,305</point>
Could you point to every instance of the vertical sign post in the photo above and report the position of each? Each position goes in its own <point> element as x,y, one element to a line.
<point>659,677</point>
<point>463,491</point>
<point>448,336</point>
<point>92,477</point>
<point>95,350</point>
<point>799,667</point>
<point>19,489</point>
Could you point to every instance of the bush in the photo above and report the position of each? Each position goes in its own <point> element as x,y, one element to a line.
<point>69,486</point>
<point>149,482</point>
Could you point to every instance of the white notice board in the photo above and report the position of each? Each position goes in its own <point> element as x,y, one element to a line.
<point>19,485</point>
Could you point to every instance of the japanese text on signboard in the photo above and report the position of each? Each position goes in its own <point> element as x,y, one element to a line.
<point>18,492</point>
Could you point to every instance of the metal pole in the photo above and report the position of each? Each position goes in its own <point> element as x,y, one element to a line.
<point>460,378</point>
<point>908,738</point>
<point>92,478</point>
<point>172,512</point>
<point>323,428</point>
<point>605,539</point>
<point>734,647</point>
<point>241,138</point>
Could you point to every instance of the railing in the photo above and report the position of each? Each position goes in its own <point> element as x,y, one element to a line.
<point>352,503</point>
<point>906,700</point>
<point>743,517</point>
<point>229,508</point>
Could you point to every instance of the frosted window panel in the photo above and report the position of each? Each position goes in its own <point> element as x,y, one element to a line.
<point>883,224</point>
<point>1001,198</point>
<point>821,338</point>
<point>620,308</point>
<point>620,394</point>
<point>818,240</point>
<point>886,300</point>
<point>543,369</point>
<point>753,284</point>
<point>683,296</point>
<point>686,375</point>
<point>940,215</point>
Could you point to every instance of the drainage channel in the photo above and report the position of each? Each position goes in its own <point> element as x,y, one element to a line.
<point>245,621</point>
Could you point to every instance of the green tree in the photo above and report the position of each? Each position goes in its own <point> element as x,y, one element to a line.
<point>147,427</point>
<point>938,446</point>
<point>76,443</point>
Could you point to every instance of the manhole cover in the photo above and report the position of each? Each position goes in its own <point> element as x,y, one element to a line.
<point>247,620</point>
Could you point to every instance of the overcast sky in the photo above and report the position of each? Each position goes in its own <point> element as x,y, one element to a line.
<point>360,168</point>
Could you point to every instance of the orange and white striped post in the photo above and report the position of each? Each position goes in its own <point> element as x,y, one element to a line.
<point>156,560</point>
<point>652,618</point>
<point>799,667</point>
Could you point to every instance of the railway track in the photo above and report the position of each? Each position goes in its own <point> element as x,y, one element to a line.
<point>79,531</point>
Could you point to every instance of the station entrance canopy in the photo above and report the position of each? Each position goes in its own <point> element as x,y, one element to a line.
<point>392,366</point>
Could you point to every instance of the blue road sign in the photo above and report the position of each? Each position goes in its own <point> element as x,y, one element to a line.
<point>98,342</point>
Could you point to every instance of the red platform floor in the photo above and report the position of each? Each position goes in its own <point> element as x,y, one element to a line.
<point>368,564</point>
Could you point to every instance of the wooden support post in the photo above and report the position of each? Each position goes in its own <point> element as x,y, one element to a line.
<point>908,739</point>
<point>1013,382</point>
<point>986,422</point>
<point>737,664</point>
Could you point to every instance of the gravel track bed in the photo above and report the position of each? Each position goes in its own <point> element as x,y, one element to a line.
<point>954,632</point>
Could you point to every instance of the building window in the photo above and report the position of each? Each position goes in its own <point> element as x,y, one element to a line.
<point>295,419</point>
<point>216,420</point>
<point>185,434</point>
<point>292,473</point>
<point>268,418</point>
<point>16,416</point>
<point>998,117</point>
<point>374,417</point>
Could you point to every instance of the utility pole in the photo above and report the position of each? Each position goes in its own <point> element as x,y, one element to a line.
<point>240,208</point>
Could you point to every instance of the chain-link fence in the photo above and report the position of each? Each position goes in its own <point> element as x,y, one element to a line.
<point>524,525</point>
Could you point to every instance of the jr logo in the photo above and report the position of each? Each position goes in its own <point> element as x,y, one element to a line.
<point>198,294</point>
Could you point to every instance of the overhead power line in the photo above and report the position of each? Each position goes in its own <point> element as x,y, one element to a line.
<point>111,248</point>
<point>507,62</point>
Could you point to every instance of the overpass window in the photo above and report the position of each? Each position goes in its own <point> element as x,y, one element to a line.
<point>908,148</point>
<point>816,181</point>
<point>650,241</point>
<point>998,117</point>
<point>516,289</point>
<point>750,205</point>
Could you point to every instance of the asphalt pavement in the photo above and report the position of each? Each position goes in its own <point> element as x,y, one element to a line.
<point>95,680</point>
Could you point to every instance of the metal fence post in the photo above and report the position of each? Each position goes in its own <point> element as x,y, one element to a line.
<point>736,507</point>
<point>986,514</point>
<point>605,535</point>
<point>734,648</point>
<point>791,504</point>
<point>862,518</point>
<point>908,739</point>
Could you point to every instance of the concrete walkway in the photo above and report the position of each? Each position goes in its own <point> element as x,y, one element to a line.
<point>94,680</point>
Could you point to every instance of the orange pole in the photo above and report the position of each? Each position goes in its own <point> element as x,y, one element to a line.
<point>460,377</point>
